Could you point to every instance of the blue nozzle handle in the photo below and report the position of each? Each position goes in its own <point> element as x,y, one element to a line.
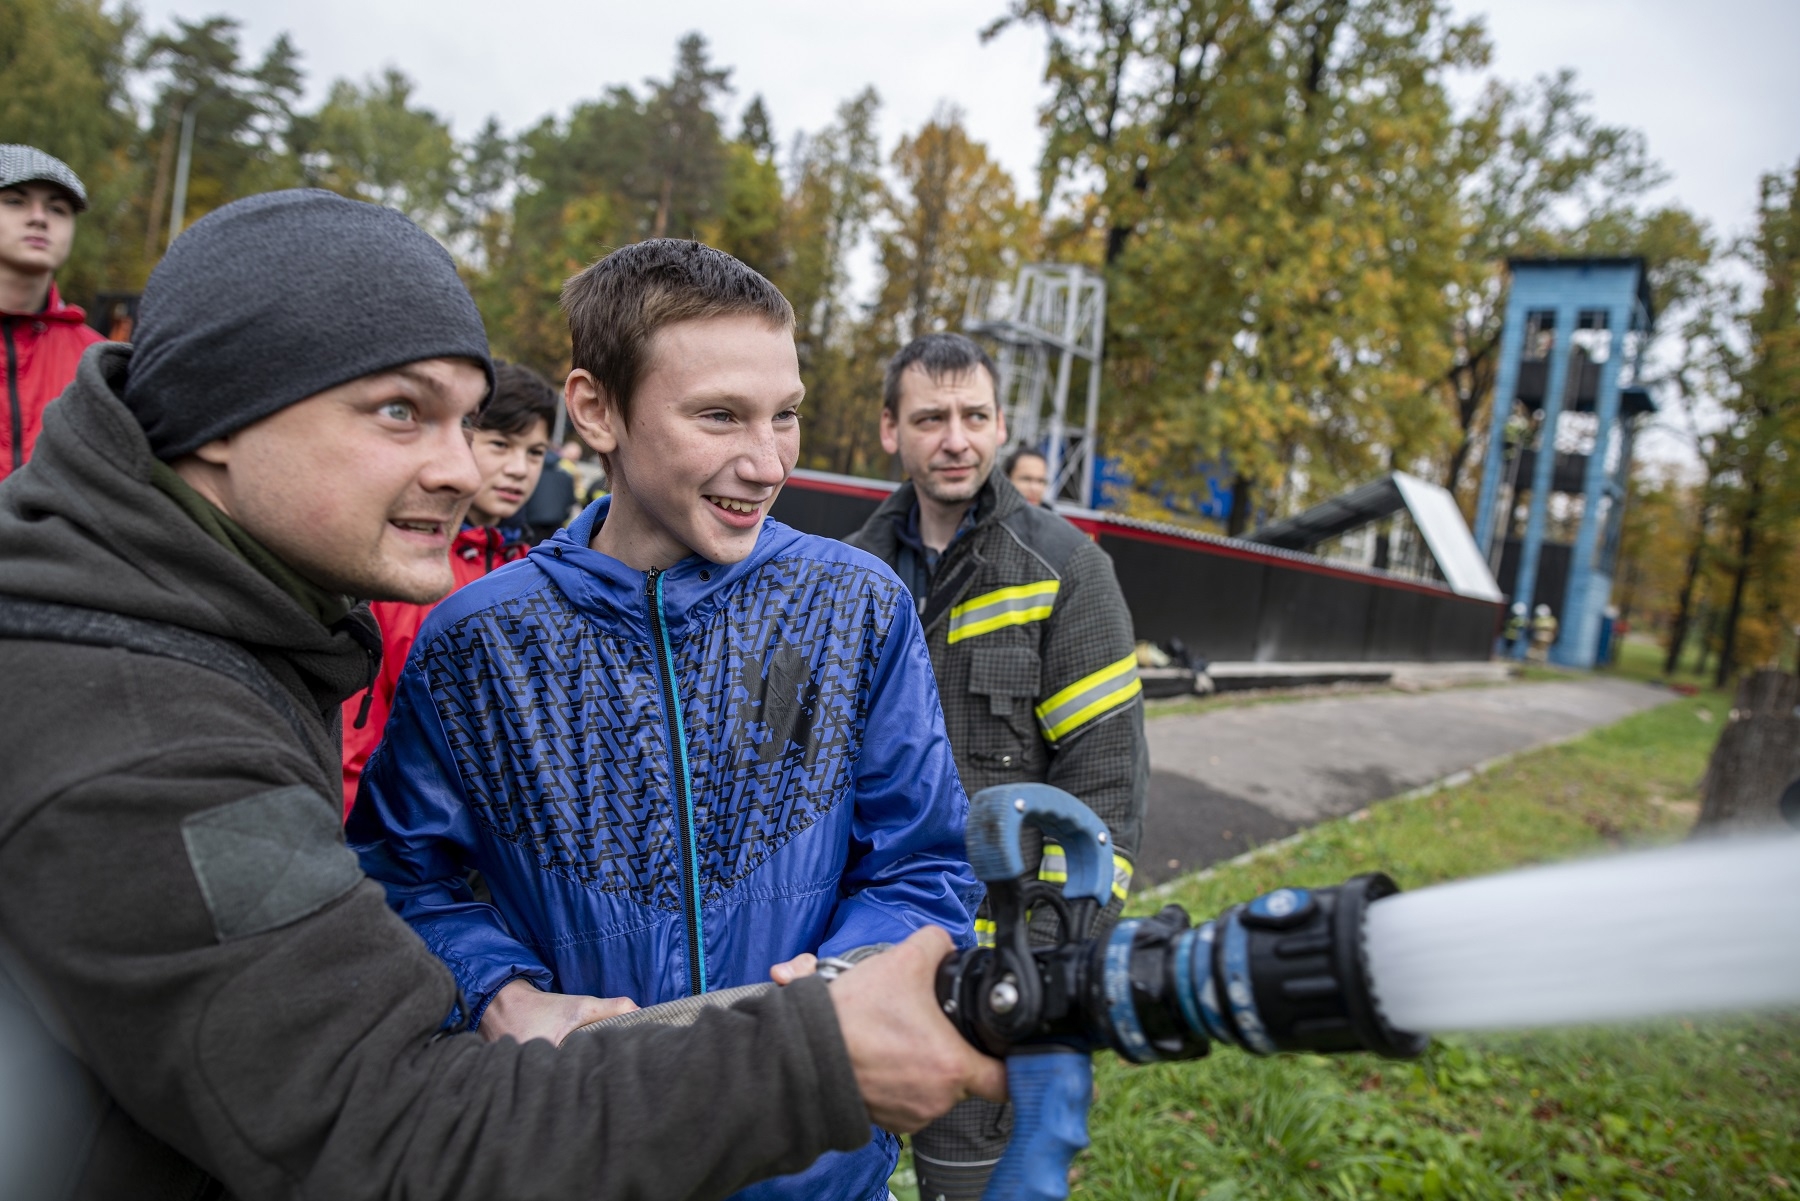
<point>1050,1086</point>
<point>996,816</point>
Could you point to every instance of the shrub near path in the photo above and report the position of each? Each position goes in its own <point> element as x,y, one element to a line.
<point>1705,1109</point>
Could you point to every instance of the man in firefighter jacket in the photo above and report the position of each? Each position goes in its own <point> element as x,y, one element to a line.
<point>1029,638</point>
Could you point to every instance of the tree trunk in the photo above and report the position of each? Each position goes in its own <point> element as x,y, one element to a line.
<point>1708,636</point>
<point>1740,579</point>
<point>1753,779</point>
<point>660,226</point>
<point>1238,520</point>
<point>1678,629</point>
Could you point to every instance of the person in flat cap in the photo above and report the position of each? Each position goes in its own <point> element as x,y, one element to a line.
<point>43,335</point>
<point>201,994</point>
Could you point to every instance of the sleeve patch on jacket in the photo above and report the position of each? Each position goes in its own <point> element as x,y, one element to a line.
<point>1090,699</point>
<point>1054,869</point>
<point>268,859</point>
<point>1015,606</point>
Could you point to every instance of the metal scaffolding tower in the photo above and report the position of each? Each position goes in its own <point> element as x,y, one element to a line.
<point>1564,422</point>
<point>1052,311</point>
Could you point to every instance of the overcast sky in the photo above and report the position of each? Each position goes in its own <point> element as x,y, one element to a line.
<point>1713,86</point>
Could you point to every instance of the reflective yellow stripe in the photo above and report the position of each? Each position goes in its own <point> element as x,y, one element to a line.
<point>1054,869</point>
<point>984,931</point>
<point>1089,698</point>
<point>1015,606</point>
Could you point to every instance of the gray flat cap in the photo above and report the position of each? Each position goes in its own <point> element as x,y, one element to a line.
<point>27,164</point>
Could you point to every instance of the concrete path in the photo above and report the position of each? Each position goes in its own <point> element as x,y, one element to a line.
<point>1225,781</point>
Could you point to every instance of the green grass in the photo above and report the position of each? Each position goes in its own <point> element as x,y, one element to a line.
<point>1669,1110</point>
<point>1642,659</point>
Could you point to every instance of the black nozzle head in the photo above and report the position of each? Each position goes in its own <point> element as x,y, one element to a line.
<point>1289,972</point>
<point>1372,1030</point>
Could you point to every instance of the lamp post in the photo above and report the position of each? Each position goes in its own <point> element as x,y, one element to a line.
<point>184,160</point>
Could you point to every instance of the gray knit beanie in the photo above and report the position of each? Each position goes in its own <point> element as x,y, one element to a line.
<point>275,298</point>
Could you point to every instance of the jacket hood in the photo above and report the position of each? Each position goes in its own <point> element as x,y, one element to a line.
<point>81,524</point>
<point>55,309</point>
<point>600,584</point>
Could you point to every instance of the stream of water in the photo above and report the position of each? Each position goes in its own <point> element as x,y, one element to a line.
<point>1707,926</point>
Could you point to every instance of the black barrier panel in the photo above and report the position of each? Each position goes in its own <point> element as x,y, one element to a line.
<point>1399,620</point>
<point>1233,607</point>
<point>1307,615</point>
<point>1211,602</point>
<point>831,514</point>
<point>1462,629</point>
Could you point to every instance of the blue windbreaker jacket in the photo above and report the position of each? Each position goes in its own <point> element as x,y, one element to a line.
<point>670,780</point>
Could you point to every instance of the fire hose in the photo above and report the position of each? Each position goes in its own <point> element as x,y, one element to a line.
<point>1291,970</point>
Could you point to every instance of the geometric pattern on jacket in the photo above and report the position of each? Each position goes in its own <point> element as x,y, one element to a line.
<point>779,688</point>
<point>529,741</point>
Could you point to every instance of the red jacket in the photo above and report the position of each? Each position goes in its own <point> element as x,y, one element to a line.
<point>41,350</point>
<point>476,551</point>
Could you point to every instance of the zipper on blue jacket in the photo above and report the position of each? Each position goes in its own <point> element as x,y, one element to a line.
<point>684,792</point>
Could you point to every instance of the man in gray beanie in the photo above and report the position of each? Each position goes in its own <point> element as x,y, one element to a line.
<point>200,994</point>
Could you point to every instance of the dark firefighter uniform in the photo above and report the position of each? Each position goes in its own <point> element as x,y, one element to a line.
<point>1037,673</point>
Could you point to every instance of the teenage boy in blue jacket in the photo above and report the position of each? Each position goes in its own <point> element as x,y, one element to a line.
<point>686,747</point>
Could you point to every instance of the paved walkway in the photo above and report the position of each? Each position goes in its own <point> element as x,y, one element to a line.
<point>1227,780</point>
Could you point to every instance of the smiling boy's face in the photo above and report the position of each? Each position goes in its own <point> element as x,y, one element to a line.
<point>713,434</point>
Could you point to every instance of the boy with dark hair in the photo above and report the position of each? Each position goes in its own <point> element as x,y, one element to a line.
<point>1029,472</point>
<point>509,436</point>
<point>686,747</point>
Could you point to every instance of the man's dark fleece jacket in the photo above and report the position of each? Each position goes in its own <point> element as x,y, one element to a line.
<point>176,898</point>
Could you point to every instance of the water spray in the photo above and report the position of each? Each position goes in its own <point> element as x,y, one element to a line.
<point>1355,967</point>
<point>1706,927</point>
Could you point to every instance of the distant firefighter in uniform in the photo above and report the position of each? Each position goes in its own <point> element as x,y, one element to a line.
<point>1543,634</point>
<point>1515,628</point>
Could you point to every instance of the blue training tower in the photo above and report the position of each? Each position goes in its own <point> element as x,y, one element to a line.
<point>1559,450</point>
